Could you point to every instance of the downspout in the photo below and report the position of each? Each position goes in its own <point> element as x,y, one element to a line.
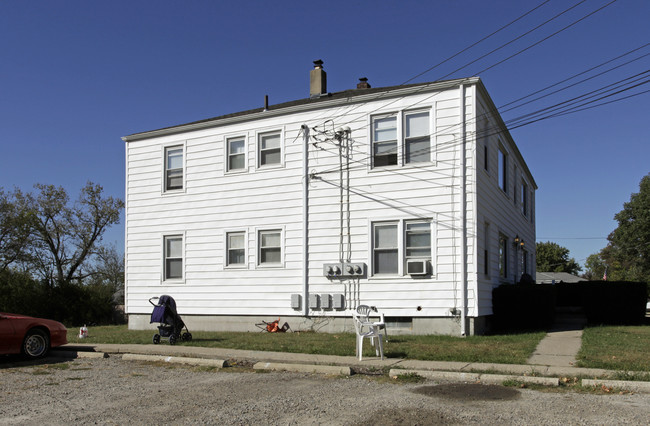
<point>463,217</point>
<point>305,220</point>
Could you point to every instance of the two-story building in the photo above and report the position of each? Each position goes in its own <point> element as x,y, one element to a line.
<point>413,199</point>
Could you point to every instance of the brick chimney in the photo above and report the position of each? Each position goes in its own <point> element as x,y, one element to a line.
<point>317,80</point>
<point>363,83</point>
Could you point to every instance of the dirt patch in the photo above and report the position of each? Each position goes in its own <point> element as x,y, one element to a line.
<point>469,392</point>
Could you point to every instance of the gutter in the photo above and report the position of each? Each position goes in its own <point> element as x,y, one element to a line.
<point>340,98</point>
<point>463,217</point>
<point>305,220</point>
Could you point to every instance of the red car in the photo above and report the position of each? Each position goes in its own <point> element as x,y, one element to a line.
<point>30,336</point>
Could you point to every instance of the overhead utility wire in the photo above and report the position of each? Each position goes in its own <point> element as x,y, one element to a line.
<point>532,117</point>
<point>575,84</point>
<point>586,108</point>
<point>569,103</point>
<point>548,37</point>
<point>383,93</point>
<point>518,38</point>
<point>579,74</point>
<point>425,86</point>
<point>474,44</point>
<point>519,122</point>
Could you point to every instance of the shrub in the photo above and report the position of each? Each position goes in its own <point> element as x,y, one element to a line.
<point>523,307</point>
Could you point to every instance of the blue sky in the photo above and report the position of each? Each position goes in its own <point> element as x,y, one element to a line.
<point>75,76</point>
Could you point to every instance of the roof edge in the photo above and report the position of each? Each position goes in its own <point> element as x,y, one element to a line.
<point>306,104</point>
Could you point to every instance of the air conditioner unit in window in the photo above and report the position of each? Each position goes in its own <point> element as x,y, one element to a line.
<point>417,267</point>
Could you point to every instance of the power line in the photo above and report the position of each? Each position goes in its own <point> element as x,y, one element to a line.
<point>380,95</point>
<point>476,43</point>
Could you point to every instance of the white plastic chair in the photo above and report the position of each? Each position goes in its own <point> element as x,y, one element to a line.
<point>367,329</point>
<point>364,311</point>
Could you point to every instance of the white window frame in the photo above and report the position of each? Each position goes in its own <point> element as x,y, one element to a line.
<point>402,258</point>
<point>407,138</point>
<point>396,141</point>
<point>165,257</point>
<point>165,151</point>
<point>402,139</point>
<point>396,248</point>
<point>228,154</point>
<point>258,237</point>
<point>258,148</point>
<point>227,249</point>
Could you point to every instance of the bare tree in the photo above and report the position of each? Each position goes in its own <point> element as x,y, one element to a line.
<point>67,235</point>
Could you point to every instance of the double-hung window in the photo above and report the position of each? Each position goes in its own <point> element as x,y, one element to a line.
<point>384,141</point>
<point>401,138</point>
<point>236,248</point>
<point>417,140</point>
<point>236,153</point>
<point>503,170</point>
<point>385,249</point>
<point>418,240</point>
<point>173,168</point>
<point>503,256</point>
<point>398,242</point>
<point>486,249</point>
<point>269,149</point>
<point>270,247</point>
<point>173,254</point>
<point>524,198</point>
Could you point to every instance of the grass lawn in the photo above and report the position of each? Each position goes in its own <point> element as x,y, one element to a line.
<point>623,348</point>
<point>500,349</point>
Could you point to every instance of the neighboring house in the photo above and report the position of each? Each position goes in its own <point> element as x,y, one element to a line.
<point>557,277</point>
<point>412,198</point>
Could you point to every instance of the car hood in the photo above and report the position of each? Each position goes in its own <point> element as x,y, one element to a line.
<point>25,318</point>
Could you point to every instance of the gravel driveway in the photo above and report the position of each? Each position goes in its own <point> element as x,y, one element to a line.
<point>114,391</point>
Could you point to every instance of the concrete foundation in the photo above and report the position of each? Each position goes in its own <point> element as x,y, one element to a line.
<point>403,326</point>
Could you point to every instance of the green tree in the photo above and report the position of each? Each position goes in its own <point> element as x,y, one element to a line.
<point>552,257</point>
<point>627,255</point>
<point>67,236</point>
<point>15,228</point>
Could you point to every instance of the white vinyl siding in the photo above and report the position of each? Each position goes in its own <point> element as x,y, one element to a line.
<point>219,200</point>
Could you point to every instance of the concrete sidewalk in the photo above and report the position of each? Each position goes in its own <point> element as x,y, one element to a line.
<point>345,365</point>
<point>329,360</point>
<point>558,349</point>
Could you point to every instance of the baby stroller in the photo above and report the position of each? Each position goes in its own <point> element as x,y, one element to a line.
<point>171,324</point>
